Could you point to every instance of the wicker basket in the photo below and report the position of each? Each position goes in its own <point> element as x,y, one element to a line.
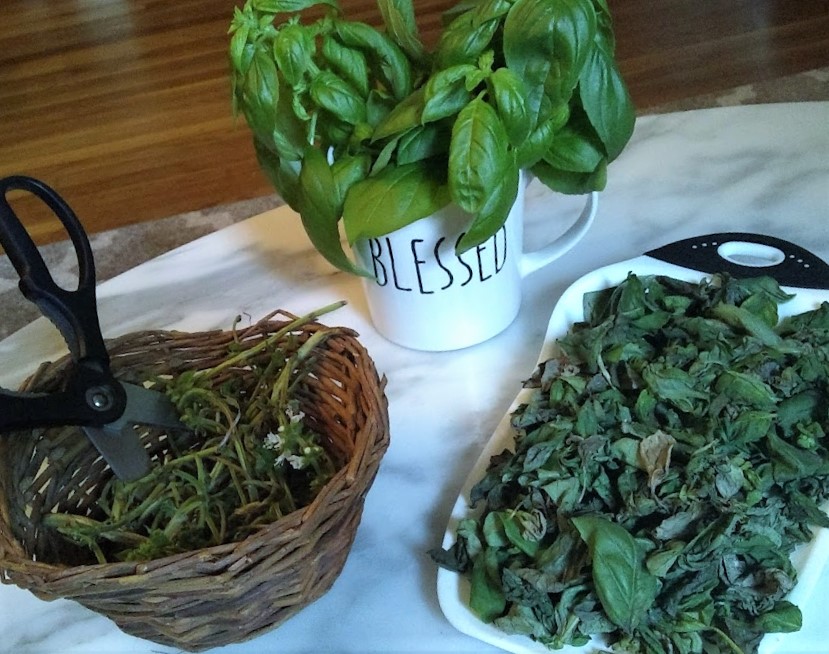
<point>217,595</point>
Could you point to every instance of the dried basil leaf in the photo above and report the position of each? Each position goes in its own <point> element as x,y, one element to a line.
<point>667,462</point>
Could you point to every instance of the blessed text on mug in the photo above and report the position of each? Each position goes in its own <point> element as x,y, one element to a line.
<point>427,268</point>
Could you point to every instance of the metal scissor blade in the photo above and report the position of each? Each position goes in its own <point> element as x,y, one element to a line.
<point>148,407</point>
<point>122,450</point>
<point>120,444</point>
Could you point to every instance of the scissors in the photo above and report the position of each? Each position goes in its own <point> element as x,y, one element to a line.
<point>106,409</point>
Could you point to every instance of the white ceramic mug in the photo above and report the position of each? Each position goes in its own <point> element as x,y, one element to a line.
<point>426,297</point>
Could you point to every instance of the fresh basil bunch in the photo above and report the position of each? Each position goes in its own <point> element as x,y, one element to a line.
<point>354,123</point>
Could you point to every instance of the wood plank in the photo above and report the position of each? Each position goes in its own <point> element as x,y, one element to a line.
<point>693,48</point>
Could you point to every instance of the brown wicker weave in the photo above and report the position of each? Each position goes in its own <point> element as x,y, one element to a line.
<point>217,595</point>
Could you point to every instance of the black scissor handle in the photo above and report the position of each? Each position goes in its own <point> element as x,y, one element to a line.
<point>87,398</point>
<point>74,312</point>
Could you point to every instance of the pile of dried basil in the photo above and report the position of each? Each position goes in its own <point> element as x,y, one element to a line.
<point>254,459</point>
<point>668,463</point>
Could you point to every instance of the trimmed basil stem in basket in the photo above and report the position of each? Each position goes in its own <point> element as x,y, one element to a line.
<point>669,460</point>
<point>254,460</point>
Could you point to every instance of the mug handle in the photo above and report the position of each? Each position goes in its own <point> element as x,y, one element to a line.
<point>532,261</point>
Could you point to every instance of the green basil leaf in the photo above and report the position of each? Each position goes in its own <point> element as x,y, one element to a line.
<point>283,175</point>
<point>293,49</point>
<point>625,588</point>
<point>570,183</point>
<point>248,54</point>
<point>392,199</point>
<point>759,287</point>
<point>801,407</point>
<point>509,94</point>
<point>290,135</point>
<point>746,389</point>
<point>399,18</point>
<point>445,94</point>
<point>482,10</point>
<point>790,462</point>
<point>486,598</point>
<point>808,508</point>
<point>405,116</point>
<point>524,530</point>
<point>333,131</point>
<point>319,193</point>
<point>660,562</point>
<point>337,96</point>
<point>540,140</point>
<point>574,150</point>
<point>298,100</point>
<point>318,210</point>
<point>763,307</point>
<point>565,493</point>
<point>547,44</point>
<point>674,385</point>
<point>384,157</point>
<point>493,213</point>
<point>288,6</point>
<point>475,78</point>
<point>604,23</point>
<point>493,530</point>
<point>752,324</point>
<point>751,426</point>
<point>573,39</point>
<point>607,102</point>
<point>259,95</point>
<point>478,155</point>
<point>383,54</point>
<point>464,40</point>
<point>785,617</point>
<point>487,10</point>
<point>237,46</point>
<point>347,171</point>
<point>528,43</point>
<point>378,107</point>
<point>423,142</point>
<point>348,62</point>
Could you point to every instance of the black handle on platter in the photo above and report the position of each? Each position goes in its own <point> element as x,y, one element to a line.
<point>744,254</point>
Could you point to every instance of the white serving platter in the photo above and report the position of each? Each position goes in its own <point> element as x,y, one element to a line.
<point>740,254</point>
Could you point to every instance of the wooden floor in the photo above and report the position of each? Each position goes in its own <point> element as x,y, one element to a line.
<point>123,105</point>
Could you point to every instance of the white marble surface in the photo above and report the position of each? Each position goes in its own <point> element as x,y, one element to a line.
<point>758,168</point>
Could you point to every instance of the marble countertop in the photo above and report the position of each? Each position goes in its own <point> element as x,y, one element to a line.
<point>762,168</point>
